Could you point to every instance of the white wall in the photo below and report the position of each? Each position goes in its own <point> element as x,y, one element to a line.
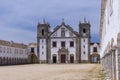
<point>12,52</point>
<point>92,47</point>
<point>42,49</point>
<point>84,42</point>
<point>67,33</point>
<point>72,50</point>
<point>111,25</point>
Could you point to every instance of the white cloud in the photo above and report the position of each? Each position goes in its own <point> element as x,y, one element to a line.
<point>18,18</point>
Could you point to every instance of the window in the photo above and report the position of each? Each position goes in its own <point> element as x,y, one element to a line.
<point>95,49</point>
<point>54,44</point>
<point>42,40</point>
<point>4,49</point>
<point>42,32</point>
<point>7,50</point>
<point>71,34</point>
<point>42,46</point>
<point>63,44</point>
<point>84,46</point>
<point>84,40</point>
<point>32,50</point>
<point>84,30</point>
<point>84,52</point>
<point>10,50</point>
<point>42,53</point>
<point>0,49</point>
<point>71,44</point>
<point>63,32</point>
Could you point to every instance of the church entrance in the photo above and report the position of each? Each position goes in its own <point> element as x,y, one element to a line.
<point>54,59</point>
<point>63,58</point>
<point>71,58</point>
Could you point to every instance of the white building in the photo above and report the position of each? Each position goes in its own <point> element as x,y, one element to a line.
<point>32,49</point>
<point>94,53</point>
<point>110,37</point>
<point>63,44</point>
<point>13,53</point>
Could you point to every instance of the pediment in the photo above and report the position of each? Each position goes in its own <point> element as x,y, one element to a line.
<point>68,31</point>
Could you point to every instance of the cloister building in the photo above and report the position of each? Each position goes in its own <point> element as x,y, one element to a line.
<point>110,38</point>
<point>13,53</point>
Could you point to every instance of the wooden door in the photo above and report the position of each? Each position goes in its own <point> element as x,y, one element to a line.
<point>63,58</point>
<point>71,59</point>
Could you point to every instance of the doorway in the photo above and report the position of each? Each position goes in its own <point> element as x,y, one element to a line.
<point>54,59</point>
<point>63,58</point>
<point>71,58</point>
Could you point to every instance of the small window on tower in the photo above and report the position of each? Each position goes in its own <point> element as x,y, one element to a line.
<point>42,32</point>
<point>32,50</point>
<point>71,44</point>
<point>84,30</point>
<point>54,44</point>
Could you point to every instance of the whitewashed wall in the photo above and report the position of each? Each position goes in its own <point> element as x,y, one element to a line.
<point>67,33</point>
<point>92,47</point>
<point>111,25</point>
<point>12,52</point>
<point>35,48</point>
<point>72,50</point>
<point>42,49</point>
<point>84,42</point>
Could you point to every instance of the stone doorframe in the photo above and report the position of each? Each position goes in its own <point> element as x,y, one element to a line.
<point>54,55</point>
<point>64,51</point>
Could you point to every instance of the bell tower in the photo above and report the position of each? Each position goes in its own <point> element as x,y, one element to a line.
<point>84,32</point>
<point>43,31</point>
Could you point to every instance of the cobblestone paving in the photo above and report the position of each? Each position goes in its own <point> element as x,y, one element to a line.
<point>51,72</point>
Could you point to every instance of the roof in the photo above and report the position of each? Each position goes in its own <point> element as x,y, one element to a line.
<point>67,26</point>
<point>35,44</point>
<point>12,44</point>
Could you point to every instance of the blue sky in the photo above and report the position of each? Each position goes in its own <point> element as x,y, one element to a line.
<point>19,18</point>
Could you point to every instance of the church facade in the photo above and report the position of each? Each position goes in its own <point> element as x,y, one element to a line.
<point>63,44</point>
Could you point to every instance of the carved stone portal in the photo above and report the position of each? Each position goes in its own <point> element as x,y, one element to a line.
<point>63,55</point>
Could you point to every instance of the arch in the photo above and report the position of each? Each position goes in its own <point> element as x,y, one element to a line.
<point>10,61</point>
<point>71,58</point>
<point>95,58</point>
<point>33,58</point>
<point>3,61</point>
<point>54,58</point>
<point>7,61</point>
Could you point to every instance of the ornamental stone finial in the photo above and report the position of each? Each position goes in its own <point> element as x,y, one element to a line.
<point>63,21</point>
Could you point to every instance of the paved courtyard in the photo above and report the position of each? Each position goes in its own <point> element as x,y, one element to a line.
<point>51,72</point>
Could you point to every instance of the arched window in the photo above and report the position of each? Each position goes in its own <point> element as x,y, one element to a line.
<point>43,32</point>
<point>84,30</point>
<point>95,49</point>
<point>63,32</point>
